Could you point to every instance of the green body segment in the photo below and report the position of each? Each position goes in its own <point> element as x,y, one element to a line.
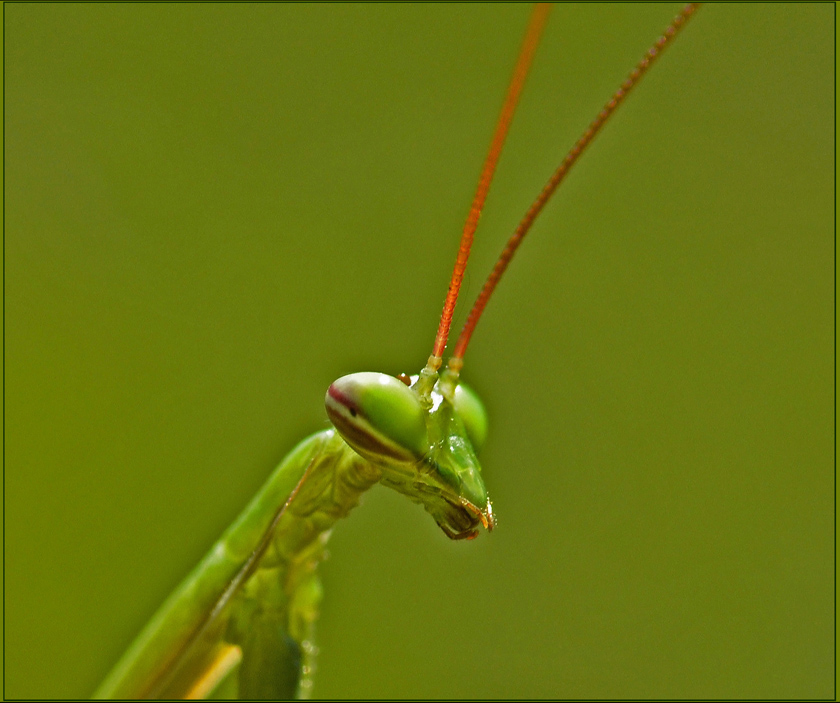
<point>271,614</point>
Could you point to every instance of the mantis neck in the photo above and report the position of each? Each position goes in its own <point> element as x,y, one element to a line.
<point>289,519</point>
<point>285,582</point>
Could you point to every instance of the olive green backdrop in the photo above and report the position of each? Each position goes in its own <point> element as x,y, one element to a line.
<point>212,211</point>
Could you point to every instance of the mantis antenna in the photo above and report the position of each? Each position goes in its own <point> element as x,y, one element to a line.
<point>456,361</point>
<point>539,16</point>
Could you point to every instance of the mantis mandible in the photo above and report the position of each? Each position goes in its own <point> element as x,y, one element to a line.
<point>241,624</point>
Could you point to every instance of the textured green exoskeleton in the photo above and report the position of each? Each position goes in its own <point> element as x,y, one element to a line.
<point>241,623</point>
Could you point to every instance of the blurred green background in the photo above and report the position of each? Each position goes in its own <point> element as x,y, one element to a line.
<point>212,211</point>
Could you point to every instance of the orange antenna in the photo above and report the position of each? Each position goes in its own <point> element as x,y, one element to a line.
<point>532,36</point>
<point>456,362</point>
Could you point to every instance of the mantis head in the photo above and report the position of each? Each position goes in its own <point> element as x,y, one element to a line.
<point>426,453</point>
<point>424,437</point>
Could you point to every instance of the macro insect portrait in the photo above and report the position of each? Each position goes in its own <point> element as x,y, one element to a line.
<point>215,211</point>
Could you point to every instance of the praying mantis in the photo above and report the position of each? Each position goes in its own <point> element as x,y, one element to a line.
<point>545,479</point>
<point>242,623</point>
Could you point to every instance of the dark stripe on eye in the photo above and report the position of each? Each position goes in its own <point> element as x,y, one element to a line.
<point>364,439</point>
<point>343,399</point>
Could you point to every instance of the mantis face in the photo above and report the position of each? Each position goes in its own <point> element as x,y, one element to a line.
<point>427,454</point>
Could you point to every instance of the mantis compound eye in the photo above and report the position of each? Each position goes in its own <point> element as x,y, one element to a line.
<point>473,414</point>
<point>379,416</point>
